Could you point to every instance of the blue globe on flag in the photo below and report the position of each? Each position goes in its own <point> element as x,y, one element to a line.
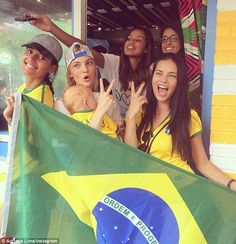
<point>133,215</point>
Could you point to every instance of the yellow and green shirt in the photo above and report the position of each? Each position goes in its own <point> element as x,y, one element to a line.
<point>108,127</point>
<point>41,93</point>
<point>161,145</point>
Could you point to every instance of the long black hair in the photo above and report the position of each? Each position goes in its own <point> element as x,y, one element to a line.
<point>180,112</point>
<point>47,80</point>
<point>142,71</point>
<point>179,31</point>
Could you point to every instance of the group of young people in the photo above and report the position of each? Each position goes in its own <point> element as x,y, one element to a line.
<point>147,98</point>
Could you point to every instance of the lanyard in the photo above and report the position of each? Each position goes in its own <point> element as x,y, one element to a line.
<point>153,137</point>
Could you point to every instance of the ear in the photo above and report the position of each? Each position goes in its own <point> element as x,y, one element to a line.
<point>85,103</point>
<point>53,69</point>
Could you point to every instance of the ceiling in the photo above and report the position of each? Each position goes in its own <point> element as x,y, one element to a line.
<point>107,16</point>
<point>113,15</point>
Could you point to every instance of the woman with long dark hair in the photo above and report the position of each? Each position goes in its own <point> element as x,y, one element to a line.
<point>133,64</point>
<point>171,40</point>
<point>170,130</point>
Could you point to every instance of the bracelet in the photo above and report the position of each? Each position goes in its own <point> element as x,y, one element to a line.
<point>230,182</point>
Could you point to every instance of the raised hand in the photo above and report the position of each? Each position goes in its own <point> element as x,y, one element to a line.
<point>42,22</point>
<point>136,101</point>
<point>104,103</point>
<point>8,112</point>
<point>105,99</point>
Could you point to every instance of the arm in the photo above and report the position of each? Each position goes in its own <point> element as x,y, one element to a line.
<point>130,131</point>
<point>44,23</point>
<point>104,103</point>
<point>136,103</point>
<point>205,167</point>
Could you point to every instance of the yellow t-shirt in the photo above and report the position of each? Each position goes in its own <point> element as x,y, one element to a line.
<point>41,93</point>
<point>161,146</point>
<point>108,127</point>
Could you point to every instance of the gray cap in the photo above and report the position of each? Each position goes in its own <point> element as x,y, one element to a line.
<point>82,50</point>
<point>48,42</point>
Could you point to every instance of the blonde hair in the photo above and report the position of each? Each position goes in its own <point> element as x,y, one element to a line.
<point>70,80</point>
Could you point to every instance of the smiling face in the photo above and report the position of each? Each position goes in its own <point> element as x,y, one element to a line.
<point>164,80</point>
<point>35,66</point>
<point>170,41</point>
<point>135,46</point>
<point>83,71</point>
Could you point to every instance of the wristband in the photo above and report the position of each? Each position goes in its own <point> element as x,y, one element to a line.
<point>230,182</point>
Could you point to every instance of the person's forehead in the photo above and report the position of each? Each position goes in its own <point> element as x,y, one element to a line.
<point>169,31</point>
<point>137,33</point>
<point>167,64</point>
<point>73,92</point>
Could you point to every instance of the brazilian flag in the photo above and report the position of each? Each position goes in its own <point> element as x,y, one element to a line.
<point>73,183</point>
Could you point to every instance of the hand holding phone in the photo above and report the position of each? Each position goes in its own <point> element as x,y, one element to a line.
<point>25,18</point>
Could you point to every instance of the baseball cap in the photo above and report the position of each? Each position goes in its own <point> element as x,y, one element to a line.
<point>75,51</point>
<point>50,43</point>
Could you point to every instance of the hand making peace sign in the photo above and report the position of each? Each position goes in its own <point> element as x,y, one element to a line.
<point>104,103</point>
<point>137,100</point>
<point>105,99</point>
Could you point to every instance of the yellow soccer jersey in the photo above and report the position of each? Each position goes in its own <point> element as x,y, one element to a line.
<point>41,93</point>
<point>161,146</point>
<point>108,127</point>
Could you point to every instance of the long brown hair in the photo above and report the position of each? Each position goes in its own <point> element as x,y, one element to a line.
<point>142,71</point>
<point>180,112</point>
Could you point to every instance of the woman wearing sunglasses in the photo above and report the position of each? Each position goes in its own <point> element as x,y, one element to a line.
<point>171,40</point>
<point>170,130</point>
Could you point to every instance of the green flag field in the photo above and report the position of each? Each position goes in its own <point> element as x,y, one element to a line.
<point>70,183</point>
